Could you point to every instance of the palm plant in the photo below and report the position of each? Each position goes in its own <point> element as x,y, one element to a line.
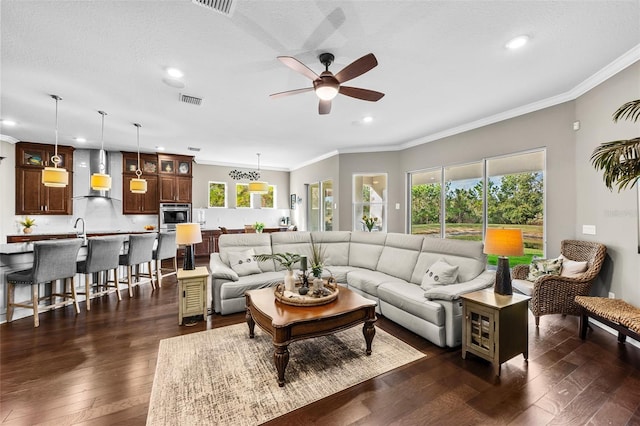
<point>285,259</point>
<point>620,159</point>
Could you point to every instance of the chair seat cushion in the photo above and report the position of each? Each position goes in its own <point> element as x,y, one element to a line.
<point>21,277</point>
<point>523,286</point>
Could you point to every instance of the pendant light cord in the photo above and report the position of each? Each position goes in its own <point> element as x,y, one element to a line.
<point>102,155</point>
<point>258,154</point>
<point>138,172</point>
<point>56,159</point>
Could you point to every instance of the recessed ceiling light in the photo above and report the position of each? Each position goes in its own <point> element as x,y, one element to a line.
<point>9,123</point>
<point>367,119</point>
<point>80,140</point>
<point>517,42</point>
<point>174,73</point>
<point>160,148</point>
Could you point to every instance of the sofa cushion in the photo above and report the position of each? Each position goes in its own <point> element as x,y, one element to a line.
<point>467,255</point>
<point>234,289</point>
<point>335,245</point>
<point>291,242</point>
<point>243,263</point>
<point>410,298</point>
<point>440,273</point>
<point>260,243</point>
<point>453,291</point>
<point>339,273</point>
<point>399,255</point>
<point>368,281</point>
<point>366,248</point>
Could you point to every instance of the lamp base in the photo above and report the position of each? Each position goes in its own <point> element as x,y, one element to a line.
<point>189,258</point>
<point>503,277</point>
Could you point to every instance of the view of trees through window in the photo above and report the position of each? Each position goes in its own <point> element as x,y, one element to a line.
<point>514,199</point>
<point>243,196</point>
<point>370,199</point>
<point>267,201</point>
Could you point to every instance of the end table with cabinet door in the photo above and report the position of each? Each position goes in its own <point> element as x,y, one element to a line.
<point>192,292</point>
<point>495,327</point>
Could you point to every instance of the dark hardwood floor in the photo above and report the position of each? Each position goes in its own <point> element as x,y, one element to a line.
<point>97,368</point>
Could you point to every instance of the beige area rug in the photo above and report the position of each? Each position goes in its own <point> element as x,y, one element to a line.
<point>222,377</point>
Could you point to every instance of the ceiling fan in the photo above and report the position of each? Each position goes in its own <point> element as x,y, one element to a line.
<point>327,85</point>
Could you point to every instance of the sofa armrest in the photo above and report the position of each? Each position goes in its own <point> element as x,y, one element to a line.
<point>220,270</point>
<point>453,291</point>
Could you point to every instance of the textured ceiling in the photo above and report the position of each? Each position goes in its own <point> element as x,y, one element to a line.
<point>442,66</point>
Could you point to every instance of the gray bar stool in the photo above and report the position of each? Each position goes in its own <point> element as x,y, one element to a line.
<point>140,252</point>
<point>103,255</point>
<point>52,261</point>
<point>167,249</point>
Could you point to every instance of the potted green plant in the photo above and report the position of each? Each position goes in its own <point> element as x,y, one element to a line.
<point>317,265</point>
<point>259,226</point>
<point>285,259</point>
<point>369,222</point>
<point>27,224</point>
<point>620,160</point>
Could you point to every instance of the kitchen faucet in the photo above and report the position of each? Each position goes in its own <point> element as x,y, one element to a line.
<point>83,234</point>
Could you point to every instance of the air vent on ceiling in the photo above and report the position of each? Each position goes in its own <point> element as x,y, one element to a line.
<point>224,7</point>
<point>193,148</point>
<point>190,99</point>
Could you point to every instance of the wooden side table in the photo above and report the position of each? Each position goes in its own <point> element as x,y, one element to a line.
<point>495,327</point>
<point>192,292</point>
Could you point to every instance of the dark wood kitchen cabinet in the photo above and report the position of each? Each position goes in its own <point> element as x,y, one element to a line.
<point>32,196</point>
<point>146,203</point>
<point>174,173</point>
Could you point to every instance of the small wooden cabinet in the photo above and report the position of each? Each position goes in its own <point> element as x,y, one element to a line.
<point>146,203</point>
<point>32,196</point>
<point>192,290</point>
<point>495,327</point>
<point>175,178</point>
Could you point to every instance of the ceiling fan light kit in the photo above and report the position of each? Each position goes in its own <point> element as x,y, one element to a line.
<point>327,85</point>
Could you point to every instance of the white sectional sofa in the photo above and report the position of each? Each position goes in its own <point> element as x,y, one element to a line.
<point>385,267</point>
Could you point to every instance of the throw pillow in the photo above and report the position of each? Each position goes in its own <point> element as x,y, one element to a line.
<point>440,273</point>
<point>572,268</point>
<point>540,267</point>
<point>243,262</point>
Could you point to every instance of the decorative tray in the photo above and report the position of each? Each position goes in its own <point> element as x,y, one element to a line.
<point>312,298</point>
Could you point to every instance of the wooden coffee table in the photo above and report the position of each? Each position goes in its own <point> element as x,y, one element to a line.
<point>286,323</point>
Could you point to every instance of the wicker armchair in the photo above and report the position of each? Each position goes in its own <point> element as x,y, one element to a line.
<point>555,294</point>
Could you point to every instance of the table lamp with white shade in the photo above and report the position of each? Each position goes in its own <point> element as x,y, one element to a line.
<point>503,242</point>
<point>188,234</point>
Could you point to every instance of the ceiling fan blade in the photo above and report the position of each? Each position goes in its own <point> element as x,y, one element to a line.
<point>357,68</point>
<point>324,107</point>
<point>364,94</point>
<point>290,92</point>
<point>298,66</point>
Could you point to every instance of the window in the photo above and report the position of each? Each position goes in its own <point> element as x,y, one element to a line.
<point>369,199</point>
<point>514,198</point>
<point>426,202</point>
<point>463,201</point>
<point>217,194</point>
<point>268,200</point>
<point>320,210</point>
<point>243,196</point>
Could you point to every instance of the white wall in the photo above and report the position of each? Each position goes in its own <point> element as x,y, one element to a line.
<point>7,190</point>
<point>232,217</point>
<point>614,214</point>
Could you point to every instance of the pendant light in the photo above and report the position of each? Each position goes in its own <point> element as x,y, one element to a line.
<point>54,176</point>
<point>257,187</point>
<point>101,181</point>
<point>138,185</point>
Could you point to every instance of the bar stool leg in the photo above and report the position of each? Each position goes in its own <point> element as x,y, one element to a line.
<point>72,281</point>
<point>34,300</point>
<point>159,272</point>
<point>11,293</point>
<point>116,280</point>
<point>129,280</point>
<point>151,277</point>
<point>87,290</point>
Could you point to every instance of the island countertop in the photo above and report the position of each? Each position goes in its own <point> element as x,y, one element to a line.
<point>23,243</point>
